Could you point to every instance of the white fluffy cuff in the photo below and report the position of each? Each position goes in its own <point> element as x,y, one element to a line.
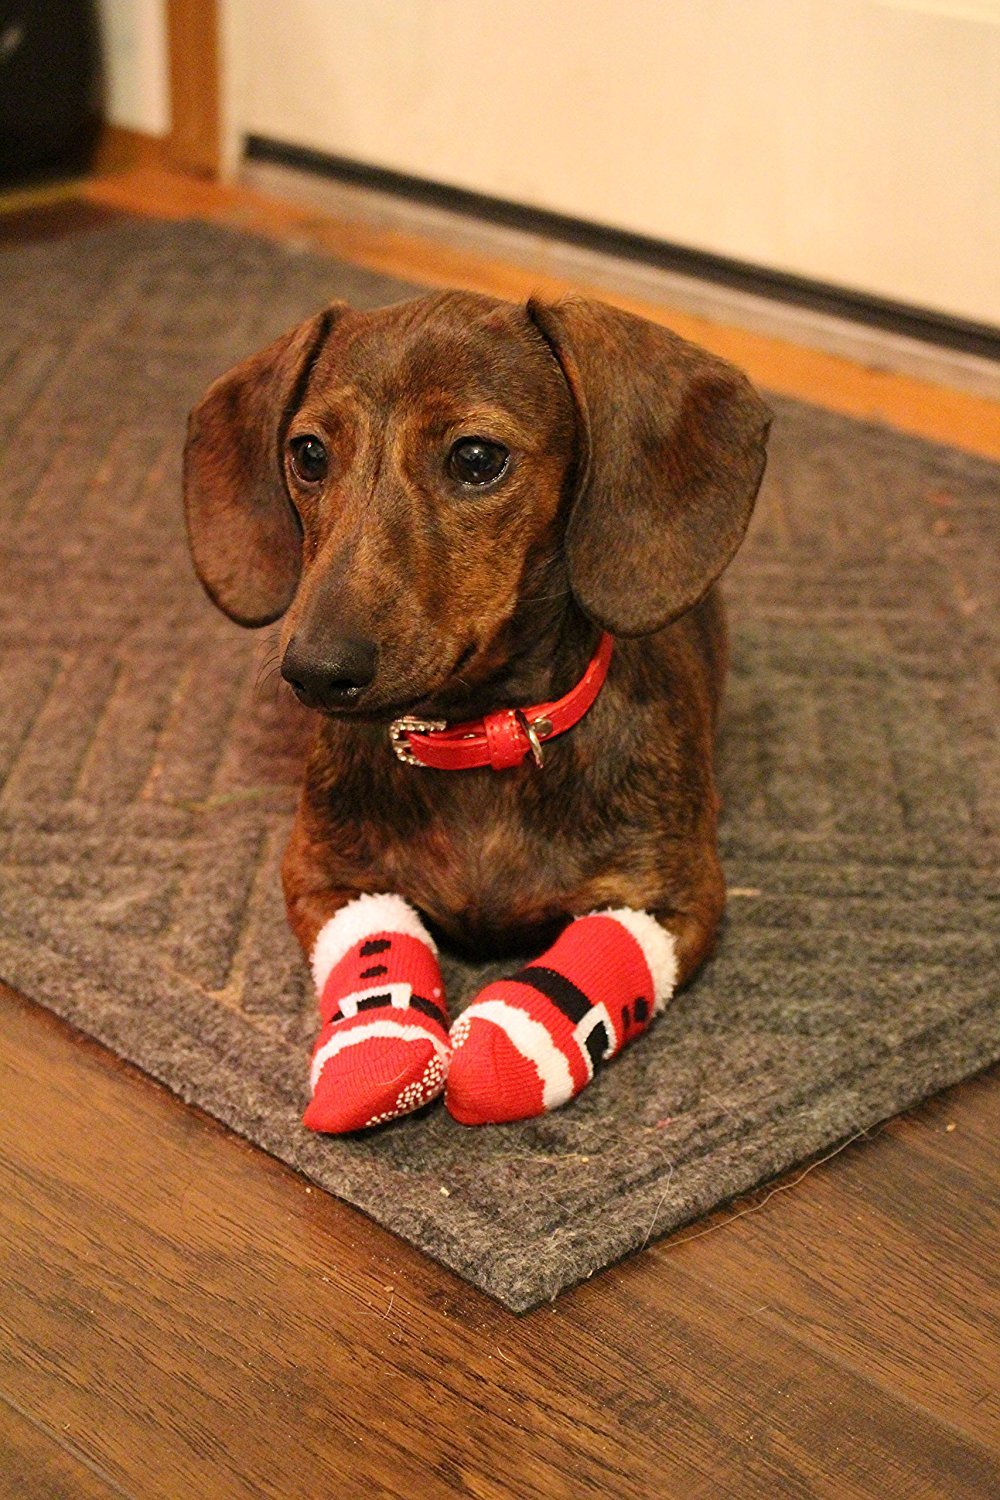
<point>356,920</point>
<point>658,949</point>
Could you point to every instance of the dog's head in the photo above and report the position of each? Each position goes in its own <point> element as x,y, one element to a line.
<point>419,489</point>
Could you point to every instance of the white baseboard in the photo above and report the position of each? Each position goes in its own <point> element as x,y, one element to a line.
<point>874,347</point>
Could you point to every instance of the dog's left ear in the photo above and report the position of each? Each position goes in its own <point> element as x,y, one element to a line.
<point>672,453</point>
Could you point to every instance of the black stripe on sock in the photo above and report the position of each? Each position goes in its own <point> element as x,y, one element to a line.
<point>375,972</point>
<point>428,1008</point>
<point>375,945</point>
<point>563,993</point>
<point>598,1044</point>
<point>374,1002</point>
<point>383,1001</point>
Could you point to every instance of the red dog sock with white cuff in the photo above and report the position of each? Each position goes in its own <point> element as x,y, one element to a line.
<point>383,1049</point>
<point>530,1043</point>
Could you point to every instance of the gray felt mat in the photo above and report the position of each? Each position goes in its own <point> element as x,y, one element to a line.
<point>149,771</point>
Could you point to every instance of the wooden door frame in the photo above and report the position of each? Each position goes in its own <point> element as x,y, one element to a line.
<point>192,144</point>
<point>193,54</point>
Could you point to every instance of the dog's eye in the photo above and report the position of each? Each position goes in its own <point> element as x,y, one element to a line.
<point>310,460</point>
<point>477,461</point>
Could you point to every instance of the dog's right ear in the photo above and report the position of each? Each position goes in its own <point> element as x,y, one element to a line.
<point>245,536</point>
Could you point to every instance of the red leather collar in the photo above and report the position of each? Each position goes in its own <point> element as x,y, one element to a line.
<point>502,739</point>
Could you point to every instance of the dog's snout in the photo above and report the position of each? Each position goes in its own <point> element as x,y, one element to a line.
<point>333,676</point>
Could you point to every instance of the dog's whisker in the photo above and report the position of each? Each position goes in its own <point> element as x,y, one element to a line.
<point>262,684</point>
<point>266,666</point>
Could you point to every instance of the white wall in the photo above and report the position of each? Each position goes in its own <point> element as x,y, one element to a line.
<point>136,80</point>
<point>850,141</point>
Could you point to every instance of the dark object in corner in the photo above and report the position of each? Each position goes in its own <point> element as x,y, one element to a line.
<point>49,87</point>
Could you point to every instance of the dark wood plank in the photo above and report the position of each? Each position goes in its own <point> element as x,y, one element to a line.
<point>53,220</point>
<point>889,1259</point>
<point>206,1323</point>
<point>38,1464</point>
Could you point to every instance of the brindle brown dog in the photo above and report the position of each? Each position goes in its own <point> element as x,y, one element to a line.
<point>447,501</point>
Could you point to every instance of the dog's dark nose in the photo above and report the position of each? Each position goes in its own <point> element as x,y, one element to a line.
<point>332,677</point>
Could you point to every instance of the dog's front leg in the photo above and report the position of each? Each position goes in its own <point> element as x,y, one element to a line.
<point>383,1047</point>
<point>530,1043</point>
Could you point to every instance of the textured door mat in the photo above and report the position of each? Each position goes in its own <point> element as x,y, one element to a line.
<point>148,765</point>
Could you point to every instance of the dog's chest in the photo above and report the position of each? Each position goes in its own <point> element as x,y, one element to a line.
<point>494,858</point>
<point>485,869</point>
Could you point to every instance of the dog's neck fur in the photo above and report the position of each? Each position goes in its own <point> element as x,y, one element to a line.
<point>551,645</point>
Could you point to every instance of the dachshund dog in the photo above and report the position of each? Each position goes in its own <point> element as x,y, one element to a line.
<point>491,532</point>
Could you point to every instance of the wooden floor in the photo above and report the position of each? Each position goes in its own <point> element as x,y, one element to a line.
<point>181,1316</point>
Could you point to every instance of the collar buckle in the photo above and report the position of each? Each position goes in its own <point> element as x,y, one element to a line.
<point>401,729</point>
<point>530,732</point>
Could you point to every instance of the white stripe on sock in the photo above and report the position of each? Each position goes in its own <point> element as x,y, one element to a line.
<point>352,1036</point>
<point>359,918</point>
<point>531,1039</point>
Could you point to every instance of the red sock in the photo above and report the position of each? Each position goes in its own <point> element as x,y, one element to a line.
<point>383,1049</point>
<point>530,1043</point>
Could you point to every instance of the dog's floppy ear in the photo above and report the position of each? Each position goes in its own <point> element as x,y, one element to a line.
<point>672,444</point>
<point>244,534</point>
